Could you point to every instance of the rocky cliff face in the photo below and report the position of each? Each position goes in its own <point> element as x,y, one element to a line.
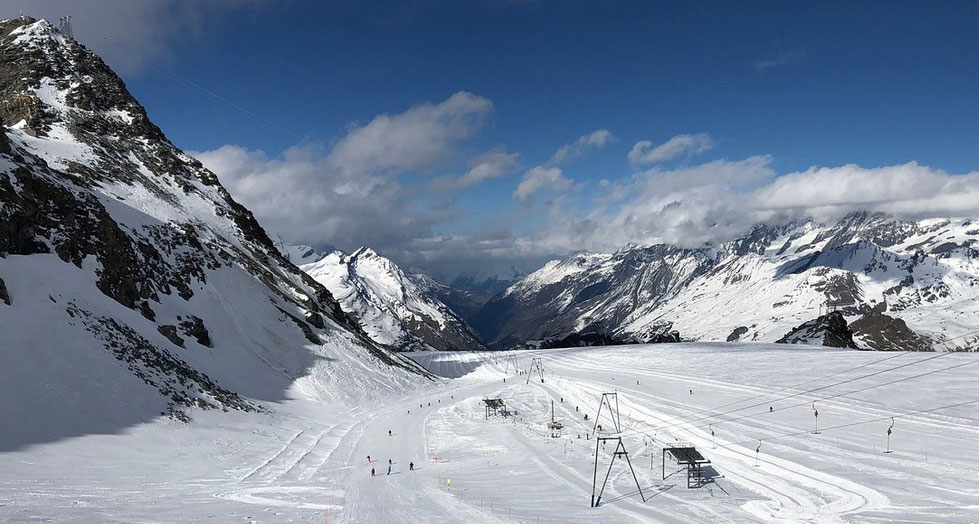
<point>590,293</point>
<point>397,310</point>
<point>114,243</point>
<point>760,286</point>
<point>829,330</point>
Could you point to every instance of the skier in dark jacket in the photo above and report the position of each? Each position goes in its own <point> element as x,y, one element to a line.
<point>372,472</point>
<point>411,466</point>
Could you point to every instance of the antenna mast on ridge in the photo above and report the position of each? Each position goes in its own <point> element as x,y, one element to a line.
<point>64,26</point>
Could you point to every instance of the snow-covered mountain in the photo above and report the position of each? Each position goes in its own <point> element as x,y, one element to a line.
<point>132,283</point>
<point>398,310</point>
<point>904,284</point>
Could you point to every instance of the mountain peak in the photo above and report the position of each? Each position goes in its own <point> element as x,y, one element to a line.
<point>365,252</point>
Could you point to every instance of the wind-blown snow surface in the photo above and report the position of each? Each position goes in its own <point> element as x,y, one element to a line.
<point>307,461</point>
<point>394,309</point>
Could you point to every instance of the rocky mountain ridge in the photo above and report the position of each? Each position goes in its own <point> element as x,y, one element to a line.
<point>131,278</point>
<point>761,286</point>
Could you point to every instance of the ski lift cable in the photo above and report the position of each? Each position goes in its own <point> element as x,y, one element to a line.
<point>793,386</point>
<point>851,424</point>
<point>730,447</point>
<point>807,402</point>
<point>811,391</point>
<point>222,99</point>
<point>831,375</point>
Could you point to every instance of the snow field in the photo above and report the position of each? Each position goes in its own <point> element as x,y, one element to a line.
<point>306,461</point>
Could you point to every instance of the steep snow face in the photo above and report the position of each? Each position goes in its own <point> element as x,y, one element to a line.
<point>394,308</point>
<point>133,283</point>
<point>759,287</point>
<point>588,292</point>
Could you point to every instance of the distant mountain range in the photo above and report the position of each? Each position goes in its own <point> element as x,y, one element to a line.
<point>902,285</point>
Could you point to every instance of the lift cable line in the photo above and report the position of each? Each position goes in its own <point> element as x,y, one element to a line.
<point>831,375</point>
<point>814,390</point>
<point>805,403</point>
<point>850,424</point>
<point>793,386</point>
<point>223,100</point>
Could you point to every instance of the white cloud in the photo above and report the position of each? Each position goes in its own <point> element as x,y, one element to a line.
<point>422,138</point>
<point>719,200</point>
<point>596,139</point>
<point>539,178</point>
<point>483,167</point>
<point>645,153</point>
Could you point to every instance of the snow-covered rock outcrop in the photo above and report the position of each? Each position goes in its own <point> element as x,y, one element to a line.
<point>397,310</point>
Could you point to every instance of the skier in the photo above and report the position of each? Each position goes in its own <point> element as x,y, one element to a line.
<point>771,409</point>
<point>504,380</point>
<point>389,432</point>
<point>411,466</point>
<point>368,458</point>
<point>372,472</point>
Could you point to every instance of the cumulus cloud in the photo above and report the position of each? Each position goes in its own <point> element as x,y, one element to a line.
<point>539,178</point>
<point>483,167</point>
<point>717,201</point>
<point>422,138</point>
<point>150,28</point>
<point>644,152</point>
<point>594,140</point>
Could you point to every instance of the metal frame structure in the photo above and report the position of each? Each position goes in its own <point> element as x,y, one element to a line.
<point>495,407</point>
<point>511,360</point>
<point>613,412</point>
<point>691,460</point>
<point>619,451</point>
<point>536,364</point>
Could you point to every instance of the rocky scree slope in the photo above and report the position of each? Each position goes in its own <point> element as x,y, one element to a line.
<point>131,282</point>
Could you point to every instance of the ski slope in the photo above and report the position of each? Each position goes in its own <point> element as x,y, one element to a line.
<point>306,460</point>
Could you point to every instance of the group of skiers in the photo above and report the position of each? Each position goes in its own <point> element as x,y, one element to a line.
<point>411,465</point>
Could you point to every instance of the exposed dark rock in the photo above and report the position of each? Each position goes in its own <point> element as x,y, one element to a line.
<point>828,330</point>
<point>194,327</point>
<point>886,333</point>
<point>158,368</point>
<point>171,333</point>
<point>4,141</point>
<point>736,334</point>
<point>4,295</point>
<point>585,339</point>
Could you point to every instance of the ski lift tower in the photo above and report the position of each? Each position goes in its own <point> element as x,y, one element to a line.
<point>536,365</point>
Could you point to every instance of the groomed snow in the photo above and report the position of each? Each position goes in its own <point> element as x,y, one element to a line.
<point>306,462</point>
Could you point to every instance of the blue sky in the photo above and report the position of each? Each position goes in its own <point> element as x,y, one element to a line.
<point>792,84</point>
